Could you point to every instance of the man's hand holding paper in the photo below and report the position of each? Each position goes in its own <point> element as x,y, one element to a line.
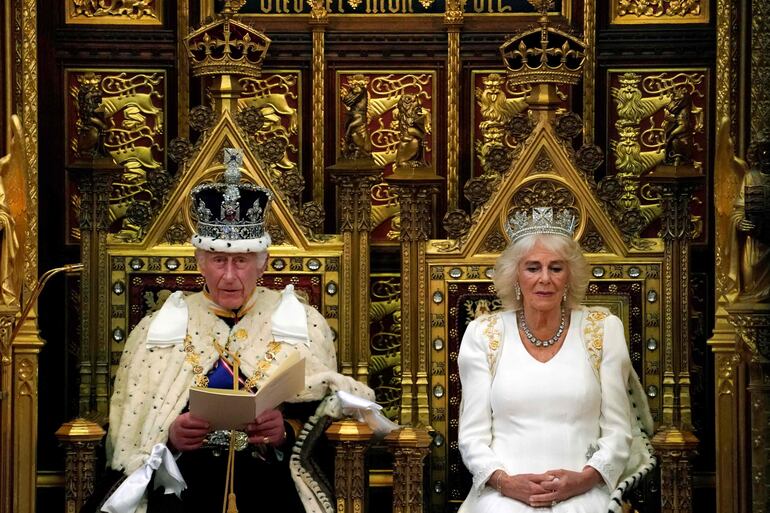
<point>187,432</point>
<point>239,409</point>
<point>267,429</point>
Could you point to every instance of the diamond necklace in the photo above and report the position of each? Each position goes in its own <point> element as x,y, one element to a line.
<point>536,341</point>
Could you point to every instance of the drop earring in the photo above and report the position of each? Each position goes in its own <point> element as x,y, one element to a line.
<point>518,292</point>
<point>564,297</point>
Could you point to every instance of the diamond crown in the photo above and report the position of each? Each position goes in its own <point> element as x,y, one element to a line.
<point>230,210</point>
<point>541,221</point>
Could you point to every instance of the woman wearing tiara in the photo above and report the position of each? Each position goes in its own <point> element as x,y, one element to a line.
<point>545,416</point>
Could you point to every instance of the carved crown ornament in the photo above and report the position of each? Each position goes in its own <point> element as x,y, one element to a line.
<point>544,54</point>
<point>226,46</point>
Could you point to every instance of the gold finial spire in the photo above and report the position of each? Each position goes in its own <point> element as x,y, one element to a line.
<point>231,7</point>
<point>225,50</point>
<point>542,6</point>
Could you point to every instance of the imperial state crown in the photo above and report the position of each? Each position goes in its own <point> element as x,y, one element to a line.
<point>230,215</point>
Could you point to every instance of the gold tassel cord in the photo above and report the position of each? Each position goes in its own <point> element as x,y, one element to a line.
<point>228,502</point>
<point>230,497</point>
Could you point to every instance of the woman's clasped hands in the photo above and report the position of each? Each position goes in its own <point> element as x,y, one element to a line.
<point>546,489</point>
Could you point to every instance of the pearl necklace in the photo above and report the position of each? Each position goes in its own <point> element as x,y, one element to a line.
<point>536,341</point>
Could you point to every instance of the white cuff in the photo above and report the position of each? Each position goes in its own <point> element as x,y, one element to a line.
<point>367,411</point>
<point>605,468</point>
<point>481,477</point>
<point>128,495</point>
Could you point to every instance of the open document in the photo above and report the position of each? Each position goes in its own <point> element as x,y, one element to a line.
<point>233,409</point>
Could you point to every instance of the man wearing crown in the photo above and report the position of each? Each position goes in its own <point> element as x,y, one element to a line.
<point>231,331</point>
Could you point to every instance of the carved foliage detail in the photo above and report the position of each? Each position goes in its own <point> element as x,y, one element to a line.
<point>115,11</point>
<point>657,9</point>
<point>402,135</point>
<point>658,118</point>
<point>495,242</point>
<point>118,115</point>
<point>754,330</point>
<point>81,475</point>
<point>385,345</point>
<point>354,198</point>
<point>407,478</point>
<point>349,473</point>
<point>416,210</point>
<point>592,241</point>
<point>726,374</point>
<point>543,192</point>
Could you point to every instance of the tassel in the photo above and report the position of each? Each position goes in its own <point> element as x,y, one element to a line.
<point>228,504</point>
<point>231,507</point>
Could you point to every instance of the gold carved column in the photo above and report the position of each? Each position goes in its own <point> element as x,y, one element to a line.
<point>730,395</point>
<point>743,104</point>
<point>351,439</point>
<point>453,20</point>
<point>675,442</point>
<point>24,103</point>
<point>94,182</point>
<point>409,447</point>
<point>183,69</point>
<point>415,189</point>
<point>589,72</point>
<point>80,439</point>
<point>752,320</point>
<point>354,181</point>
<point>7,316</point>
<point>732,481</point>
<point>752,323</point>
<point>760,70</point>
<point>19,367</point>
<point>26,350</point>
<point>319,18</point>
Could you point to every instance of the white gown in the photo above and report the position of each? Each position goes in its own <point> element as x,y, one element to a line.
<point>534,417</point>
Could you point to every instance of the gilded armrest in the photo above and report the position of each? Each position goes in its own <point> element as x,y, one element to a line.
<point>351,440</point>
<point>80,439</point>
<point>409,447</point>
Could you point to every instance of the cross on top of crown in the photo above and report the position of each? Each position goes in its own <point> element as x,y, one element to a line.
<point>232,175</point>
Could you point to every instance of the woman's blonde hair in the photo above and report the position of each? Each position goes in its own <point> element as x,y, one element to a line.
<point>507,268</point>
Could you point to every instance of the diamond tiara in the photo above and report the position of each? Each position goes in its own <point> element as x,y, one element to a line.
<point>541,220</point>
